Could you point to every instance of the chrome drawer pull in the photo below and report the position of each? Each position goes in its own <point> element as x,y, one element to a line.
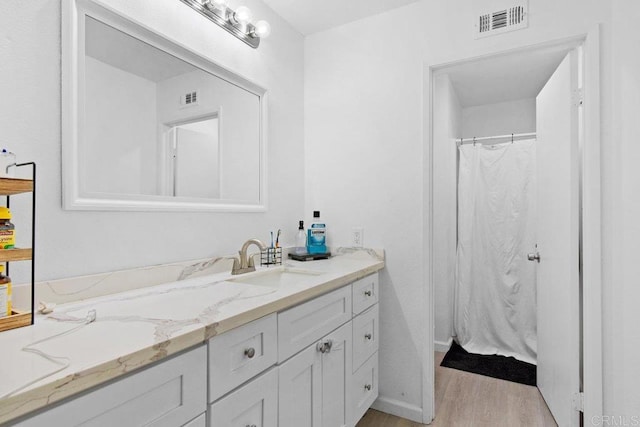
<point>251,425</point>
<point>368,293</point>
<point>367,336</point>
<point>250,352</point>
<point>367,387</point>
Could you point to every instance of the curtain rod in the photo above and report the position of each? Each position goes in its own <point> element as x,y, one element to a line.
<point>507,138</point>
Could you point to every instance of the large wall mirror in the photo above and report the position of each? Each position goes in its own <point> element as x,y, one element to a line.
<point>150,125</point>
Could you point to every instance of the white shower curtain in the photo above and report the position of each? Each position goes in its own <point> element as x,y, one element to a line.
<point>495,298</point>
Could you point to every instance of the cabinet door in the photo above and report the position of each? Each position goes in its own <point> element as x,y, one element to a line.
<point>300,390</point>
<point>254,404</point>
<point>315,384</point>
<point>336,370</point>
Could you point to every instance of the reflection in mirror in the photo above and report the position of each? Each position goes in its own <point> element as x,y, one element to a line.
<point>194,169</point>
<point>157,127</point>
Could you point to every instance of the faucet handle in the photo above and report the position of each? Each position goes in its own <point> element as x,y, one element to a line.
<point>236,265</point>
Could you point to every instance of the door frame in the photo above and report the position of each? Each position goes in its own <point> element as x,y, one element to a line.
<point>590,221</point>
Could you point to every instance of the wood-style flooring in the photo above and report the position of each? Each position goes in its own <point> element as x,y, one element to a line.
<point>470,400</point>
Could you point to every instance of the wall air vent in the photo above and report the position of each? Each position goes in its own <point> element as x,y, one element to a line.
<point>499,21</point>
<point>189,99</point>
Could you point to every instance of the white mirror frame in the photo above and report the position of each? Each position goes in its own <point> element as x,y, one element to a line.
<point>73,48</point>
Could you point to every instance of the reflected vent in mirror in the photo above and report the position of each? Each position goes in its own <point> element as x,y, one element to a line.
<point>511,18</point>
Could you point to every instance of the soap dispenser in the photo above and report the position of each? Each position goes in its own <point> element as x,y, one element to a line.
<point>301,240</point>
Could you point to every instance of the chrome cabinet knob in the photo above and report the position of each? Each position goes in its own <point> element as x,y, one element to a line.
<point>367,387</point>
<point>367,336</point>
<point>368,293</point>
<point>324,346</point>
<point>534,256</point>
<point>250,352</point>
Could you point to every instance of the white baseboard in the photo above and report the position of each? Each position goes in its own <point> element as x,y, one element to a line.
<point>398,408</point>
<point>441,346</point>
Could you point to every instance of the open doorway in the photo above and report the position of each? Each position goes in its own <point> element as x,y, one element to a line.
<point>489,102</point>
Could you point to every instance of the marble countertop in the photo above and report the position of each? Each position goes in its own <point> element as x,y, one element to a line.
<point>136,328</point>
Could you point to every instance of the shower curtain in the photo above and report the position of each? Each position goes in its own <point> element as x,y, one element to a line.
<point>495,296</point>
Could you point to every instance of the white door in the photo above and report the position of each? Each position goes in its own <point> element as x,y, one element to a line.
<point>558,242</point>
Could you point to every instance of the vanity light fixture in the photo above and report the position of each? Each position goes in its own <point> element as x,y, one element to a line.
<point>237,22</point>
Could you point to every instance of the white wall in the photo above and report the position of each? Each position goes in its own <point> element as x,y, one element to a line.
<point>365,115</point>
<point>75,243</point>
<point>119,139</point>
<point>499,119</point>
<point>621,178</point>
<point>447,124</point>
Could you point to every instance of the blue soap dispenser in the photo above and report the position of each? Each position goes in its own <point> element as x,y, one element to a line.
<point>317,236</point>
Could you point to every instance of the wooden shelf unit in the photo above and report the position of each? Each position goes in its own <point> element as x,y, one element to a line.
<point>10,187</point>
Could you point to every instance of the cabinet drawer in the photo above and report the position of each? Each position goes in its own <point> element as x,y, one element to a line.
<point>302,325</point>
<point>365,293</point>
<point>240,354</point>
<point>201,421</point>
<point>364,388</point>
<point>254,404</point>
<point>171,393</point>
<point>365,336</point>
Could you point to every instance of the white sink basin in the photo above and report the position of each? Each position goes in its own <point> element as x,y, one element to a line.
<point>278,277</point>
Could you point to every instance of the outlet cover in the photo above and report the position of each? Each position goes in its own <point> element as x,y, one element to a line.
<point>357,236</point>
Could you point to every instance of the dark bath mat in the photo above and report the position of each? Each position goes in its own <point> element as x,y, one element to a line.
<point>501,367</point>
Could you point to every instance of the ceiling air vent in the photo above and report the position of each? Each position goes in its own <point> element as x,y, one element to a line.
<point>501,21</point>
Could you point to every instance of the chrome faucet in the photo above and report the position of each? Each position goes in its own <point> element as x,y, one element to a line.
<point>245,264</point>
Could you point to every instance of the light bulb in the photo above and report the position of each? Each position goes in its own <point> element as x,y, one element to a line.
<point>242,15</point>
<point>261,29</point>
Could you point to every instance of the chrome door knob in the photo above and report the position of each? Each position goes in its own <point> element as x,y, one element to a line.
<point>534,256</point>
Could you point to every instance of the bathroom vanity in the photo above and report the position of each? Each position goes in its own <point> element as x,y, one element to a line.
<point>288,346</point>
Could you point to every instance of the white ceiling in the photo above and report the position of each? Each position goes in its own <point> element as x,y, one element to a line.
<point>311,16</point>
<point>504,78</point>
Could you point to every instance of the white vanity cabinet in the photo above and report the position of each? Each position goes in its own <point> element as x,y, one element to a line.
<point>312,365</point>
<point>171,393</point>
